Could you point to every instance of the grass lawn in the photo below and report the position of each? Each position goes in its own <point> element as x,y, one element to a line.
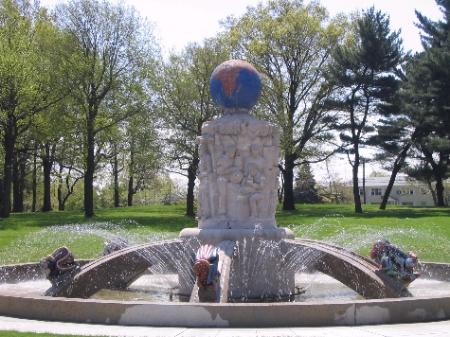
<point>30,334</point>
<point>28,237</point>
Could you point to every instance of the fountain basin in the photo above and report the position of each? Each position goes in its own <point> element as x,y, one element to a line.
<point>315,313</point>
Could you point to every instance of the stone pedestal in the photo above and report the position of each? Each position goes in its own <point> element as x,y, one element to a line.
<point>237,201</point>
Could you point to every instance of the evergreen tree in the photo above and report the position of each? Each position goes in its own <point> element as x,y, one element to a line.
<point>305,186</point>
<point>395,134</point>
<point>424,173</point>
<point>427,96</point>
<point>363,70</point>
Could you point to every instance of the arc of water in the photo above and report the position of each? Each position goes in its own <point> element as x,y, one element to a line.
<point>119,269</point>
<point>355,271</point>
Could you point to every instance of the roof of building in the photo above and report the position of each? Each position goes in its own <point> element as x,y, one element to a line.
<point>400,180</point>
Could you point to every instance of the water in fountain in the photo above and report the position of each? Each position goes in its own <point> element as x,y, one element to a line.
<point>161,284</point>
<point>91,237</point>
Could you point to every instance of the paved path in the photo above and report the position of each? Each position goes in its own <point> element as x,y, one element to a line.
<point>433,329</point>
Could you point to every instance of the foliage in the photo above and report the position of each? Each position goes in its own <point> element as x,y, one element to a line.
<point>290,43</point>
<point>364,70</point>
<point>113,50</point>
<point>29,70</point>
<point>426,96</point>
<point>186,104</point>
<point>305,190</point>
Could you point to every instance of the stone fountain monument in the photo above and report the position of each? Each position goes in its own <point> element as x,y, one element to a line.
<point>238,183</point>
<point>237,253</point>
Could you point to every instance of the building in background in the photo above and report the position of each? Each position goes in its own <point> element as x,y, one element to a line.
<point>406,191</point>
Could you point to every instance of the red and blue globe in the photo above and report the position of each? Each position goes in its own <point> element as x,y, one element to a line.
<point>235,84</point>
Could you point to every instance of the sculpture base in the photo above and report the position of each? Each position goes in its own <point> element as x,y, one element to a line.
<point>257,271</point>
<point>214,236</point>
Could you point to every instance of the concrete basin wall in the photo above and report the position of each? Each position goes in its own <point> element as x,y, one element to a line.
<point>227,315</point>
<point>403,310</point>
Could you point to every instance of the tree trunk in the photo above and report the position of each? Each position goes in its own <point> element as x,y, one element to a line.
<point>398,163</point>
<point>432,191</point>
<point>356,196</point>
<point>288,183</point>
<point>61,205</point>
<point>9,141</point>
<point>387,193</point>
<point>1,189</point>
<point>90,168</point>
<point>60,190</point>
<point>34,179</point>
<point>23,172</point>
<point>116,178</point>
<point>439,191</point>
<point>47,164</point>
<point>192,175</point>
<point>131,189</point>
<point>18,177</point>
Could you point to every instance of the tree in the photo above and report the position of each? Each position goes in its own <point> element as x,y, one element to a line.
<point>364,70</point>
<point>68,158</point>
<point>305,190</point>
<point>395,135</point>
<point>426,92</point>
<point>143,152</point>
<point>187,104</point>
<point>396,141</point>
<point>424,173</point>
<point>113,46</point>
<point>27,78</point>
<point>290,43</point>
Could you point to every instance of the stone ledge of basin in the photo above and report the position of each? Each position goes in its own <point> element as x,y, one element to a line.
<point>182,314</point>
<point>234,234</point>
<point>439,271</point>
<point>333,313</point>
<point>402,310</point>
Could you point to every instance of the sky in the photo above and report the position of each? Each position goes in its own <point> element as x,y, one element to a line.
<point>178,22</point>
<point>181,21</point>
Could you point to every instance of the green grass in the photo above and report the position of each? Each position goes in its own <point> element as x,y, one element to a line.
<point>30,334</point>
<point>28,237</point>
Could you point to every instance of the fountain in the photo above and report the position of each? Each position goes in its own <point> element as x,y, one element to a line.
<point>238,268</point>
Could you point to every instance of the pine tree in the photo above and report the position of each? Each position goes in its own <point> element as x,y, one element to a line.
<point>427,95</point>
<point>305,190</point>
<point>395,133</point>
<point>364,71</point>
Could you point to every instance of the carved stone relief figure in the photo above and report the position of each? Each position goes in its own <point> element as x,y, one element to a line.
<point>205,177</point>
<point>224,169</point>
<point>253,186</point>
<point>238,171</point>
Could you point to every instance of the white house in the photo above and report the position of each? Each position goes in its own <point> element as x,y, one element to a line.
<point>406,191</point>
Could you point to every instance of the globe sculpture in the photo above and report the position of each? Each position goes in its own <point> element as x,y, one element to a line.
<point>235,84</point>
